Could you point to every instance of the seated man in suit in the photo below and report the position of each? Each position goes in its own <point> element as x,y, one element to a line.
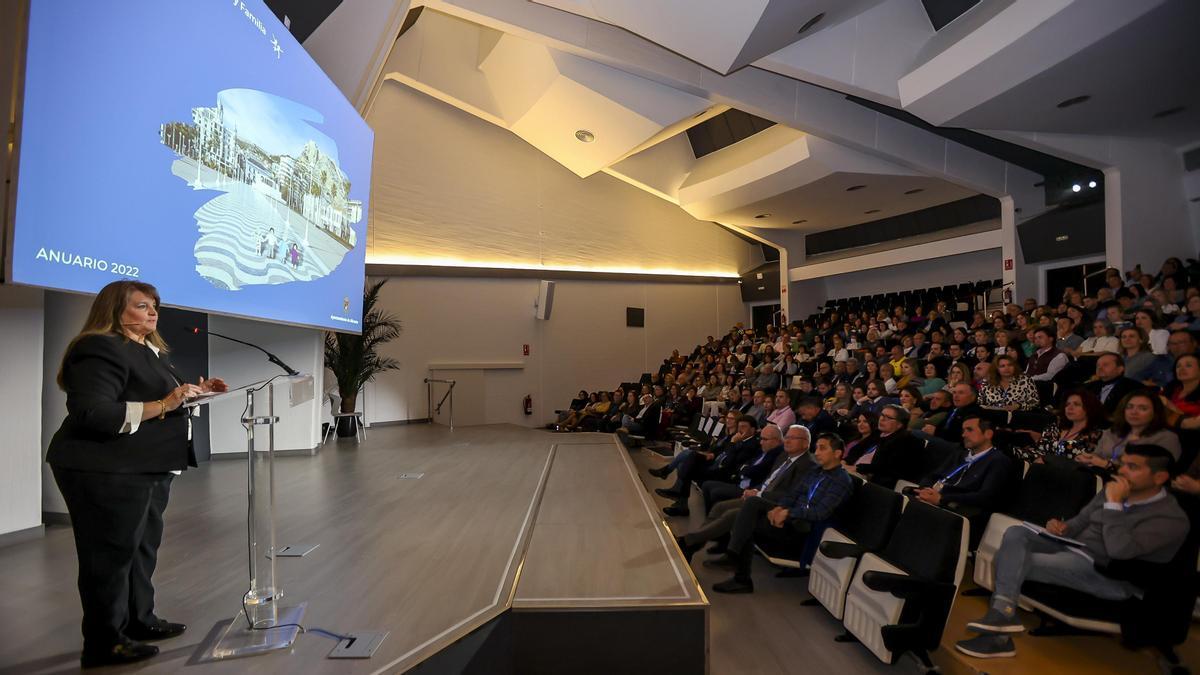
<point>714,446</point>
<point>814,417</point>
<point>898,454</point>
<point>788,469</point>
<point>701,466</point>
<point>973,482</point>
<point>965,405</point>
<point>1132,518</point>
<point>1110,384</point>
<point>806,508</point>
<point>752,473</point>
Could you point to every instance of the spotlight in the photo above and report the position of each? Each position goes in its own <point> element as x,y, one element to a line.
<point>585,136</point>
<point>1092,184</point>
<point>1076,188</point>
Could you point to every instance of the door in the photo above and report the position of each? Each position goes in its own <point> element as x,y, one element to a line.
<point>763,316</point>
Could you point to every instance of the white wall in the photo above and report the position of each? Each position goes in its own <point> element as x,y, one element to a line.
<point>64,317</point>
<point>300,348</point>
<point>20,408</point>
<point>953,269</point>
<point>584,345</point>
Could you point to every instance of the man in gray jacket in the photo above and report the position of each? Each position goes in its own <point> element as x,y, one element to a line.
<point>784,476</point>
<point>1132,518</point>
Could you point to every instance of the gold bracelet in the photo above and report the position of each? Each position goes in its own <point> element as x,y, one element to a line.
<point>162,408</point>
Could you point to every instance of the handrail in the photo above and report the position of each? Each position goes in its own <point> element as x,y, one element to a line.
<point>429,382</point>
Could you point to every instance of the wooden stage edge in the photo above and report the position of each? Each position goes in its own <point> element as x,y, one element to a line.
<point>514,551</point>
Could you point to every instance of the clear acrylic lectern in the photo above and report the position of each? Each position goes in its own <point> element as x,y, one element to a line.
<point>262,624</point>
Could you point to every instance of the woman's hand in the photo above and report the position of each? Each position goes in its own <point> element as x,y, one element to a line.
<point>180,394</point>
<point>1091,460</point>
<point>213,385</point>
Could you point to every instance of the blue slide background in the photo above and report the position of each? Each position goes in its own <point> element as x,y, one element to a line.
<point>94,179</point>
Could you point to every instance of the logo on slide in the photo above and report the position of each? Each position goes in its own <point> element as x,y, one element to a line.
<point>284,213</point>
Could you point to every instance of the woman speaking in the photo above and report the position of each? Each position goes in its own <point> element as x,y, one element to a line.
<point>113,458</point>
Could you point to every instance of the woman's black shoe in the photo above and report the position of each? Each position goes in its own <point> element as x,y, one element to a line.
<point>123,652</point>
<point>163,630</point>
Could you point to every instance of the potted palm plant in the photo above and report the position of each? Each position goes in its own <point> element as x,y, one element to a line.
<point>355,359</point>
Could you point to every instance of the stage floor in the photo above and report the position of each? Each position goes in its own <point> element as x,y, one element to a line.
<point>503,516</point>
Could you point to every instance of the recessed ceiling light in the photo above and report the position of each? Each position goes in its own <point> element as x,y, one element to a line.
<point>1074,101</point>
<point>1076,187</point>
<point>810,23</point>
<point>852,188</point>
<point>1169,111</point>
<point>800,222</point>
<point>585,136</point>
<point>1091,183</point>
<point>914,191</point>
<point>763,215</point>
<point>871,211</point>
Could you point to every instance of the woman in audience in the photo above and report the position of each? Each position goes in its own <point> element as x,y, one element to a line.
<point>959,372</point>
<point>1004,344</point>
<point>909,374</point>
<point>1140,363</point>
<point>1076,430</point>
<point>1140,418</point>
<point>978,320</point>
<point>959,337</point>
<point>910,399</point>
<point>934,378</point>
<point>1147,321</point>
<point>841,401</point>
<point>1182,396</point>
<point>838,349</point>
<point>1007,387</point>
<point>872,368</point>
<point>868,437</point>
<point>983,353</point>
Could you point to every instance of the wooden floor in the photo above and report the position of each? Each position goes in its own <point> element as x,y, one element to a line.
<point>428,560</point>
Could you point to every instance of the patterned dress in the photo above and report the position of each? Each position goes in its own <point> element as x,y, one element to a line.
<point>1051,446</point>
<point>1021,391</point>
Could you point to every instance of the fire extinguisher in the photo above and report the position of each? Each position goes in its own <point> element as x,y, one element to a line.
<point>528,404</point>
<point>1008,295</point>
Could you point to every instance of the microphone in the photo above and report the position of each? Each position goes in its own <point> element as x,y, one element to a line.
<point>270,357</point>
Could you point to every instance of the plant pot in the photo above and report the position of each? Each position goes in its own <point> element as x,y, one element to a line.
<point>347,427</point>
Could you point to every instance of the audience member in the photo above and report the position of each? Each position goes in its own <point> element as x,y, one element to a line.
<point>789,468</point>
<point>1132,518</point>
<point>806,508</point>
<point>1140,419</point>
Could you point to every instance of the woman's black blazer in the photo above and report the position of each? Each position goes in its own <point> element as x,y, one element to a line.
<point>100,374</point>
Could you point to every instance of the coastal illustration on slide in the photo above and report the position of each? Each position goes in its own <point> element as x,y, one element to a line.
<point>284,214</point>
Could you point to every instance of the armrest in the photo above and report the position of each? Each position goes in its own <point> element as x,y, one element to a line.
<point>841,549</point>
<point>902,585</point>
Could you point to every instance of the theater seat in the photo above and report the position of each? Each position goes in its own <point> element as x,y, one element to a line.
<point>899,599</point>
<point>864,526</point>
<point>1048,491</point>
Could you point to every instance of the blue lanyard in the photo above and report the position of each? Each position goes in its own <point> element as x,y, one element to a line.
<point>813,490</point>
<point>955,472</point>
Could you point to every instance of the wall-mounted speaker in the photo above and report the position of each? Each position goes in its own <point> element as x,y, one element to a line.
<point>635,317</point>
<point>545,301</point>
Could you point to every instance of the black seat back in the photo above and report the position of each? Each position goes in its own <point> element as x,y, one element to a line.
<point>870,515</point>
<point>1052,490</point>
<point>927,542</point>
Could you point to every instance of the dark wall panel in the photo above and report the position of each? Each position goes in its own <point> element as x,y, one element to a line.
<point>189,355</point>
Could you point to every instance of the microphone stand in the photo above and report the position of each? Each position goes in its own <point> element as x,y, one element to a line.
<point>270,357</point>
